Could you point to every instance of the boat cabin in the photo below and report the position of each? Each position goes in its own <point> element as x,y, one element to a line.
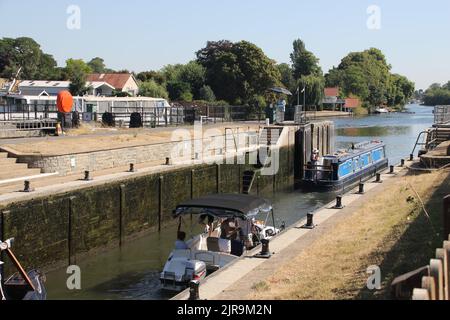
<point>347,167</point>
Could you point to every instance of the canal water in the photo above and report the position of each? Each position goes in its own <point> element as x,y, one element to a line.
<point>132,272</point>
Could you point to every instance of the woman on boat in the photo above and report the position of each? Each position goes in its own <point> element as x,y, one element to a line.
<point>209,226</point>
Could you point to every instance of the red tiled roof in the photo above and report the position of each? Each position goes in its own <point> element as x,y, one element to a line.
<point>331,92</point>
<point>117,80</point>
<point>352,103</point>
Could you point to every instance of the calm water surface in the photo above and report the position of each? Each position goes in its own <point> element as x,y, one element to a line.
<point>132,272</point>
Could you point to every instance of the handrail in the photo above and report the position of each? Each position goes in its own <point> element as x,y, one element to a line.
<point>420,143</point>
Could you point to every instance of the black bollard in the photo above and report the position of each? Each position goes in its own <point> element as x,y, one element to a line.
<point>339,203</point>
<point>392,168</point>
<point>361,188</point>
<point>194,292</point>
<point>132,168</point>
<point>378,180</point>
<point>402,164</point>
<point>265,251</point>
<point>411,157</point>
<point>87,176</point>
<point>309,222</point>
<point>167,161</point>
<point>27,187</point>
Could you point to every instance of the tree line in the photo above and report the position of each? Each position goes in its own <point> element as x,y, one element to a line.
<point>436,94</point>
<point>225,72</point>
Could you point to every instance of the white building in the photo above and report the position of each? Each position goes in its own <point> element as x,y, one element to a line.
<point>52,88</point>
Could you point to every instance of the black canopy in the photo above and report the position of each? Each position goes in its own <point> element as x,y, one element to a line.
<point>225,205</point>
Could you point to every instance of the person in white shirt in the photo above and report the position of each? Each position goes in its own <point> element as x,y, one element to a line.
<point>180,244</point>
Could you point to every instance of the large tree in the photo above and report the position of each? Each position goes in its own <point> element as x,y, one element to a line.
<point>237,72</point>
<point>304,62</point>
<point>77,71</point>
<point>97,65</point>
<point>367,75</point>
<point>437,95</point>
<point>25,53</point>
<point>307,73</point>
<point>152,89</point>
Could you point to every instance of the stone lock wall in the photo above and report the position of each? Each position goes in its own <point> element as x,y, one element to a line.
<point>59,230</point>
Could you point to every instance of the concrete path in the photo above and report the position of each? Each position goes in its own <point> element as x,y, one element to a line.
<point>236,280</point>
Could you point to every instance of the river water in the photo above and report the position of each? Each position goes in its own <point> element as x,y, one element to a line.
<point>132,272</point>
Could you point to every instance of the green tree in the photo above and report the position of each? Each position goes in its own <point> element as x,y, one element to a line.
<point>287,76</point>
<point>97,65</point>
<point>152,89</point>
<point>76,72</point>
<point>304,62</point>
<point>367,75</point>
<point>207,94</point>
<point>179,90</point>
<point>314,87</point>
<point>237,72</point>
<point>157,76</point>
<point>437,95</point>
<point>26,53</point>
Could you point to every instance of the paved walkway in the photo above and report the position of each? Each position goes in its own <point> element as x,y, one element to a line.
<point>237,280</point>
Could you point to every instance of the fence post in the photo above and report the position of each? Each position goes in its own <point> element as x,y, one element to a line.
<point>446,216</point>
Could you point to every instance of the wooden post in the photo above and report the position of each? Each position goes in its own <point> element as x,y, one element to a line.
<point>446,215</point>
<point>437,272</point>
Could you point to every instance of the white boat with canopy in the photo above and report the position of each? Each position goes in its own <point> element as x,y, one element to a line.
<point>233,224</point>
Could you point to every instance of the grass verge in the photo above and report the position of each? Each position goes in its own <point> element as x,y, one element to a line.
<point>390,230</point>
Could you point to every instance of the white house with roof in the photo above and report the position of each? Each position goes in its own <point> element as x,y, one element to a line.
<point>52,88</point>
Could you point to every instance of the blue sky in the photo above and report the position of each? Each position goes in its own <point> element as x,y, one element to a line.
<point>143,35</point>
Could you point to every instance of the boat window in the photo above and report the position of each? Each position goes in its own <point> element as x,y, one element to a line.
<point>356,164</point>
<point>346,168</point>
<point>365,160</point>
<point>378,154</point>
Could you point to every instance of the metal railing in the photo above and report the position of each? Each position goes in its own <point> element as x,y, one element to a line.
<point>441,114</point>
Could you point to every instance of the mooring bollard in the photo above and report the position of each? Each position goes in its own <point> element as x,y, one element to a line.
<point>265,251</point>
<point>194,292</point>
<point>378,180</point>
<point>167,161</point>
<point>132,168</point>
<point>339,203</point>
<point>402,163</point>
<point>361,188</point>
<point>309,221</point>
<point>411,157</point>
<point>392,169</point>
<point>87,176</point>
<point>27,186</point>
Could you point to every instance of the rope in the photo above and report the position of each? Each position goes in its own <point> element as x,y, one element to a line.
<point>423,207</point>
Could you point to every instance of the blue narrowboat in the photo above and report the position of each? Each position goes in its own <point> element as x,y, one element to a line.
<point>343,170</point>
